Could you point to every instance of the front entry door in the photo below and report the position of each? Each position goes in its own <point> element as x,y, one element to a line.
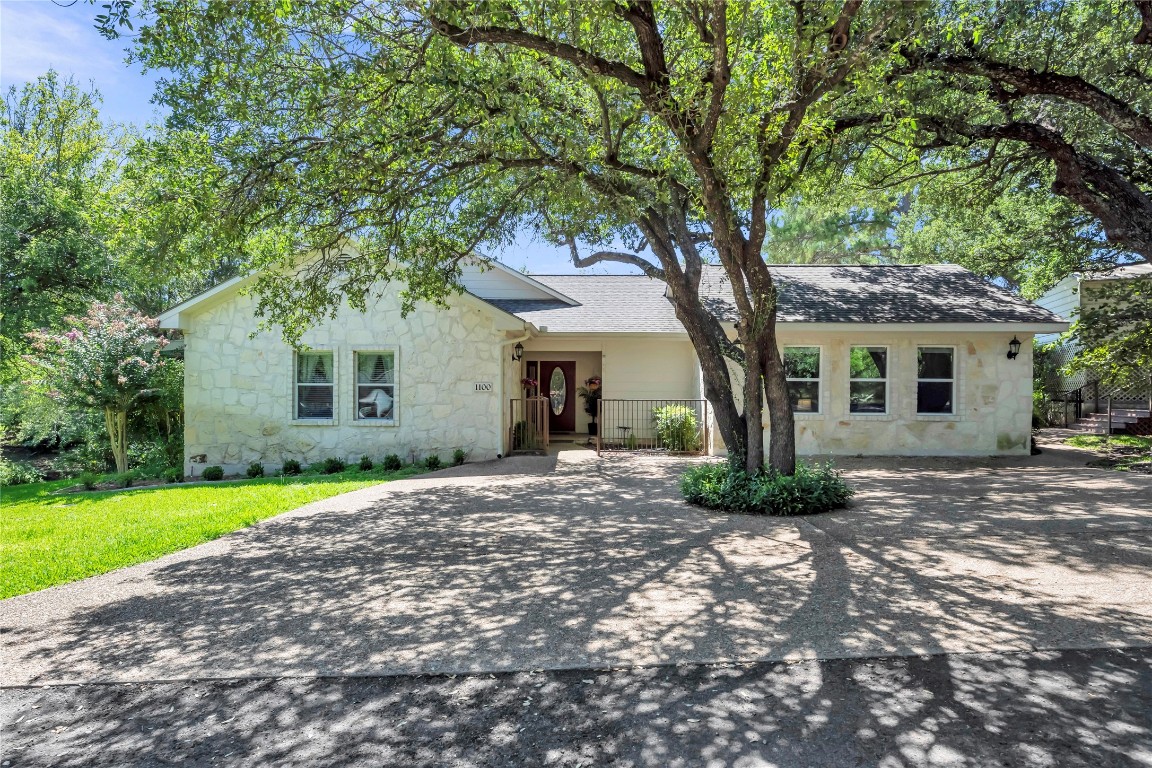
<point>558,383</point>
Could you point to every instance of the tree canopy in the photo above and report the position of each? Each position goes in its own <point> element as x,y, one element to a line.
<point>428,132</point>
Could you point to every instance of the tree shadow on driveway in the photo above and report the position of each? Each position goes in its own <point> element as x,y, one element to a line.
<point>602,565</point>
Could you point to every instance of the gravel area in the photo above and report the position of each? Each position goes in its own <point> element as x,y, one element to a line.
<point>1034,710</point>
<point>539,564</point>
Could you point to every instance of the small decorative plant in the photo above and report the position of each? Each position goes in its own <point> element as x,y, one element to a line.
<point>432,462</point>
<point>291,467</point>
<point>173,475</point>
<point>214,472</point>
<point>89,480</point>
<point>459,456</point>
<point>392,462</point>
<point>366,463</point>
<point>333,466</point>
<point>255,469</point>
<point>590,393</point>
<point>529,383</point>
<point>677,427</point>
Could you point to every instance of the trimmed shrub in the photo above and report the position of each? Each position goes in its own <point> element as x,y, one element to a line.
<point>677,427</point>
<point>432,462</point>
<point>173,475</point>
<point>124,479</point>
<point>459,456</point>
<point>366,464</point>
<point>291,467</point>
<point>813,489</point>
<point>333,466</point>
<point>213,472</point>
<point>392,462</point>
<point>255,469</point>
<point>89,480</point>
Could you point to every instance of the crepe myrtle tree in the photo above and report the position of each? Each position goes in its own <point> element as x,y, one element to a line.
<point>425,132</point>
<point>108,360</point>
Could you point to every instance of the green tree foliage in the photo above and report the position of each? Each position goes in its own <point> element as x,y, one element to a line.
<point>57,163</point>
<point>109,361</point>
<point>425,132</point>
<point>1114,334</point>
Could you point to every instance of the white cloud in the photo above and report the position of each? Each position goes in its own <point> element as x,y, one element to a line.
<point>38,36</point>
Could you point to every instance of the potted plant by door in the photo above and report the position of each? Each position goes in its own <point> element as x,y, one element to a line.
<point>590,394</point>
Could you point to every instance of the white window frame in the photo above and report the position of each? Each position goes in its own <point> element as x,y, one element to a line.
<point>887,386</point>
<point>296,384</point>
<point>953,381</point>
<point>372,421</point>
<point>819,379</point>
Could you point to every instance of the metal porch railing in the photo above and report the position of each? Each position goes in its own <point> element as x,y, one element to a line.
<point>675,426</point>
<point>528,424</point>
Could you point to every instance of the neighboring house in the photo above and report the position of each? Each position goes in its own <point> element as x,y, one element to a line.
<point>885,360</point>
<point>1079,390</point>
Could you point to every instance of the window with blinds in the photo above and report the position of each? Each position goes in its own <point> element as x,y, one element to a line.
<point>376,385</point>
<point>315,385</point>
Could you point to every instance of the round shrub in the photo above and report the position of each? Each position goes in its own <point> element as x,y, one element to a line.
<point>291,467</point>
<point>255,469</point>
<point>18,473</point>
<point>811,490</point>
<point>366,464</point>
<point>459,456</point>
<point>173,475</point>
<point>333,466</point>
<point>213,472</point>
<point>89,480</point>
<point>432,462</point>
<point>392,462</point>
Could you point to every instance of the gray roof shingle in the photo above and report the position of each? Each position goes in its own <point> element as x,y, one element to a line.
<point>938,293</point>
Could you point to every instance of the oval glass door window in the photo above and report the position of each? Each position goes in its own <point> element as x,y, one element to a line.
<point>557,390</point>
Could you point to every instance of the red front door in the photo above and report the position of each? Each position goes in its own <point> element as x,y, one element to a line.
<point>558,383</point>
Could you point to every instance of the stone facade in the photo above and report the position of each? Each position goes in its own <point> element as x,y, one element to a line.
<point>239,388</point>
<point>993,398</point>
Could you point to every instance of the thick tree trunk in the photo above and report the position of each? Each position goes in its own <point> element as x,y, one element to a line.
<point>782,438</point>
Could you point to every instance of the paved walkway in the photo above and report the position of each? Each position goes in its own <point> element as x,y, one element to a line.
<point>598,563</point>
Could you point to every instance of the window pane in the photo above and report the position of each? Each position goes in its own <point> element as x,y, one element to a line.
<point>314,402</point>
<point>802,362</point>
<point>867,397</point>
<point>934,363</point>
<point>868,363</point>
<point>934,397</point>
<point>805,396</point>
<point>314,367</point>
<point>375,368</point>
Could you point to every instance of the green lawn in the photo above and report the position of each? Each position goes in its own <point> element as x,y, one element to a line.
<point>49,538</point>
<point>1120,452</point>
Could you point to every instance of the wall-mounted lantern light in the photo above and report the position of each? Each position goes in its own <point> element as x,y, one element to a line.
<point>1013,348</point>
<point>518,351</point>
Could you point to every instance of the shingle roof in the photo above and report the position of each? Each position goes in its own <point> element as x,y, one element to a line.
<point>938,293</point>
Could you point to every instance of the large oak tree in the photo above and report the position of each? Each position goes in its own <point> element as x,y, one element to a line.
<point>429,131</point>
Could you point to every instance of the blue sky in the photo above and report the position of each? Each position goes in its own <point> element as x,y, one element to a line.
<point>38,35</point>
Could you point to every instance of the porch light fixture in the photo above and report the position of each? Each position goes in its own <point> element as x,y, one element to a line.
<point>518,351</point>
<point>1013,348</point>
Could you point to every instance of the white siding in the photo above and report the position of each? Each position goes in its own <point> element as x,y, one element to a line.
<point>1063,299</point>
<point>496,283</point>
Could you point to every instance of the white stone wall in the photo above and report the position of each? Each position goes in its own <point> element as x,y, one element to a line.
<point>993,398</point>
<point>239,391</point>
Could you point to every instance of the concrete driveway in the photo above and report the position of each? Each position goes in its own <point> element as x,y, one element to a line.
<point>598,563</point>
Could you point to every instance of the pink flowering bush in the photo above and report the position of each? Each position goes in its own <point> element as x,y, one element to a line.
<point>107,361</point>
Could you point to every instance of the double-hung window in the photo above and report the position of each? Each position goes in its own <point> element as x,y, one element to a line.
<point>935,380</point>
<point>868,380</point>
<point>802,369</point>
<point>376,386</point>
<point>315,380</point>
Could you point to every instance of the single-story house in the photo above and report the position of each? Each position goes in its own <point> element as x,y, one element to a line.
<point>882,360</point>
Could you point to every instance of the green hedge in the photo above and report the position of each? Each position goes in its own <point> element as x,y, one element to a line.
<point>813,489</point>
